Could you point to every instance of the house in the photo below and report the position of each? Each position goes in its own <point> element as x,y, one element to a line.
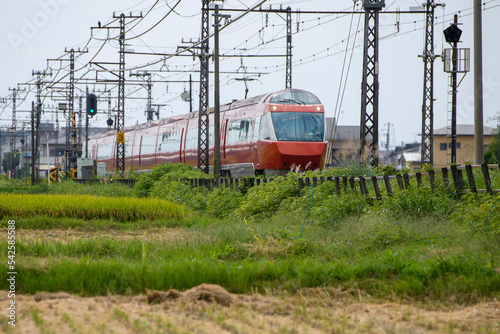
<point>343,137</point>
<point>465,144</point>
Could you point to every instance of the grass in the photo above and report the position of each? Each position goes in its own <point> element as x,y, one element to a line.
<point>380,255</point>
<point>88,207</point>
<point>416,245</point>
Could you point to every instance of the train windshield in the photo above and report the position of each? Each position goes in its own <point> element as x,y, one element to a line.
<point>298,126</point>
<point>294,96</point>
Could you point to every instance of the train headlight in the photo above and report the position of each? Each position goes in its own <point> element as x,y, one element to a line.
<point>275,108</point>
<point>319,108</point>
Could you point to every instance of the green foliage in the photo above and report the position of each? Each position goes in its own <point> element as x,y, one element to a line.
<point>221,202</point>
<point>492,153</point>
<point>180,192</point>
<point>18,189</point>
<point>266,199</point>
<point>386,170</point>
<point>114,189</point>
<point>173,171</point>
<point>7,161</point>
<point>478,212</point>
<point>417,202</point>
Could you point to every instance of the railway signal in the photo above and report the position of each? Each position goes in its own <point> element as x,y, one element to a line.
<point>91,104</point>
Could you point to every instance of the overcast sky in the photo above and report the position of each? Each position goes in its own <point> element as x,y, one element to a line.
<point>37,30</point>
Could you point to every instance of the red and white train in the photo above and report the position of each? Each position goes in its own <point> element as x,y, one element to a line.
<point>270,134</point>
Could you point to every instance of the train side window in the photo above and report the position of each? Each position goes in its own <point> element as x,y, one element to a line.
<point>256,128</point>
<point>128,148</point>
<point>265,129</point>
<point>148,145</point>
<point>104,151</point>
<point>244,131</point>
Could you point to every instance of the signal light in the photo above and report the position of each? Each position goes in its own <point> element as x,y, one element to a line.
<point>91,104</point>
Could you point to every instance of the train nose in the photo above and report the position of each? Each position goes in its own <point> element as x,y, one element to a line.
<point>302,153</point>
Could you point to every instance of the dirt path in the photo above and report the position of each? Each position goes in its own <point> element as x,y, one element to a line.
<point>211,309</point>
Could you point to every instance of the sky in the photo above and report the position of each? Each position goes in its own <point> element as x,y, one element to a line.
<point>324,61</point>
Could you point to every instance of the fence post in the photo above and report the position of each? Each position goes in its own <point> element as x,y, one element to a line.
<point>344,182</point>
<point>237,184</point>
<point>458,181</point>
<point>337,185</point>
<point>315,182</point>
<point>399,178</point>
<point>387,182</point>
<point>406,178</point>
<point>486,177</point>
<point>432,179</point>
<point>378,195</point>
<point>258,181</point>
<point>301,185</point>
<point>446,179</point>
<point>470,178</point>
<point>191,181</point>
<point>352,183</point>
<point>362,186</point>
<point>419,179</point>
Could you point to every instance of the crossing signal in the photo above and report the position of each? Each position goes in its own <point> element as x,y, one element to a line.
<point>91,104</point>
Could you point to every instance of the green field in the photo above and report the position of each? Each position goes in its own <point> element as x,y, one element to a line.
<point>416,245</point>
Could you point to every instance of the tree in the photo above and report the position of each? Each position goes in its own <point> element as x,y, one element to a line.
<point>6,162</point>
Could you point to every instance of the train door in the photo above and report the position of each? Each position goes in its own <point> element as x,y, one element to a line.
<point>180,147</point>
<point>140,148</point>
<point>255,138</point>
<point>224,139</point>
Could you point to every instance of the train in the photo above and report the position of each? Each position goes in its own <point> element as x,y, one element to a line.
<point>266,134</point>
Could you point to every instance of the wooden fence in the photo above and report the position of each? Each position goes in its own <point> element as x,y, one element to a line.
<point>456,184</point>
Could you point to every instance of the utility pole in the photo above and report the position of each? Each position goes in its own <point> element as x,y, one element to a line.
<point>203,119</point>
<point>120,120</point>
<point>33,147</point>
<point>454,98</point>
<point>288,79</point>
<point>370,83</point>
<point>452,35</point>
<point>13,138</point>
<point>478,85</point>
<point>80,120</point>
<point>87,128</point>
<point>36,124</point>
<point>14,91</point>
<point>109,111</point>
<point>428,57</point>
<point>388,136</point>
<point>217,23</point>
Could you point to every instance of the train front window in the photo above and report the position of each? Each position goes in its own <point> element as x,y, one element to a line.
<point>294,96</point>
<point>298,126</point>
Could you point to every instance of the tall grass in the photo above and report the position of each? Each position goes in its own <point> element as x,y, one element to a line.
<point>88,207</point>
<point>97,189</point>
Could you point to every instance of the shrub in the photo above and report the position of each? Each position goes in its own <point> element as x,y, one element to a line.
<point>221,202</point>
<point>174,172</point>
<point>477,212</point>
<point>266,199</point>
<point>180,192</point>
<point>417,202</point>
